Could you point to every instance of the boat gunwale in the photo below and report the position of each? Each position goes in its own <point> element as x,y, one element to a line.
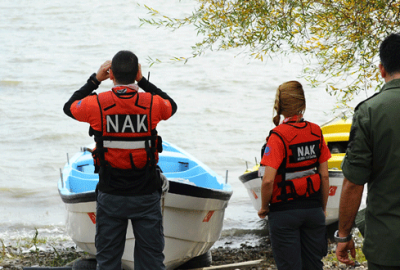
<point>246,177</point>
<point>174,188</point>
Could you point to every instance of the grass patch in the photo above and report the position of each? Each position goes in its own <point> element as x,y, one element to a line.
<point>360,257</point>
<point>331,257</point>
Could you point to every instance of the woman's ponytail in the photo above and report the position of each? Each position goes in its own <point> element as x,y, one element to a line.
<point>277,108</point>
<point>289,101</point>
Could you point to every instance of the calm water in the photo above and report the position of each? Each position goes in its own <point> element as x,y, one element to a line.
<point>48,49</point>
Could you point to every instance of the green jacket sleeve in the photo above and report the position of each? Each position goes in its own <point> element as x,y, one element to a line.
<point>357,163</point>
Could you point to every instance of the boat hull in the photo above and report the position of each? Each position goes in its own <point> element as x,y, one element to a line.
<point>199,226</point>
<point>192,215</point>
<point>252,182</point>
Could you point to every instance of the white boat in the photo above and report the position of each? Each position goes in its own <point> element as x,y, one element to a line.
<point>193,207</point>
<point>336,136</point>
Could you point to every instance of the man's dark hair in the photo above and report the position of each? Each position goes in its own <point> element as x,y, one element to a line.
<point>125,67</point>
<point>389,52</point>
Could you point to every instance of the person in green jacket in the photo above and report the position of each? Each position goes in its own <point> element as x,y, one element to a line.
<point>373,157</point>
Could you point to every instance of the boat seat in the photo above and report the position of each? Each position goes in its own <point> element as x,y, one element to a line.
<point>85,159</point>
<point>205,180</point>
<point>78,185</point>
<point>86,168</point>
<point>82,175</point>
<point>174,163</point>
<point>184,174</point>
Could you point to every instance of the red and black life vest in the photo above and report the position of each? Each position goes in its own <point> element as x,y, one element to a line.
<point>127,146</point>
<point>296,177</point>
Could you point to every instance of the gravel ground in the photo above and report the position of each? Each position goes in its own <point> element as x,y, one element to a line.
<point>226,255</point>
<point>15,259</point>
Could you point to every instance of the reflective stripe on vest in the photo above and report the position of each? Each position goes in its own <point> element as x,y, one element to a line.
<point>126,144</point>
<point>294,175</point>
<point>288,176</point>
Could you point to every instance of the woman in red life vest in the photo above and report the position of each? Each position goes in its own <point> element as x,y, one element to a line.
<point>295,184</point>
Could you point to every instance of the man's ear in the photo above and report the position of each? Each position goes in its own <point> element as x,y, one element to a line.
<point>111,75</point>
<point>383,71</point>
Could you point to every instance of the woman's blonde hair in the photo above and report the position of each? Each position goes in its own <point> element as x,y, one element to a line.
<point>289,101</point>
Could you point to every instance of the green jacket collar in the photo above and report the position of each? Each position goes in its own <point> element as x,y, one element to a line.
<point>392,84</point>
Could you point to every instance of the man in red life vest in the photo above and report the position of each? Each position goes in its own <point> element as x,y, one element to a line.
<point>123,122</point>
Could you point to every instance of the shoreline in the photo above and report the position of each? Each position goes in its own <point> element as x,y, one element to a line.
<point>14,258</point>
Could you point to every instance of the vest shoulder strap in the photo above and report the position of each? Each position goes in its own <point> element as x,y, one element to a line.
<point>144,100</point>
<point>106,100</point>
<point>286,132</point>
<point>282,167</point>
<point>315,129</point>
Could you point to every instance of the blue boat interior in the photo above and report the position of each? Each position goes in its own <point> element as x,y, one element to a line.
<point>175,165</point>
